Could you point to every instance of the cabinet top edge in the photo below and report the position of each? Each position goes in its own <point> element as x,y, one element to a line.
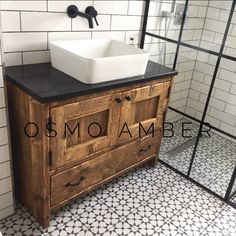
<point>47,84</point>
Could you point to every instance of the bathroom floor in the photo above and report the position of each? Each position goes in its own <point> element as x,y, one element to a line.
<point>214,161</point>
<point>146,201</point>
<point>150,201</point>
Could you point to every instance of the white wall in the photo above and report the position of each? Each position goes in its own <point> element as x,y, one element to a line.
<point>187,57</point>
<point>204,27</point>
<point>28,26</point>
<point>6,196</point>
<point>222,108</point>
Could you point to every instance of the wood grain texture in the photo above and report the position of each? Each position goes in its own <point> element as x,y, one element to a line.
<point>81,163</point>
<point>29,155</point>
<point>86,112</point>
<point>146,107</point>
<point>107,92</point>
<point>81,177</point>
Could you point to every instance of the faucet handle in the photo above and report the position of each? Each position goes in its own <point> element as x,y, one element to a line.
<point>96,21</point>
<point>72,11</point>
<point>92,12</point>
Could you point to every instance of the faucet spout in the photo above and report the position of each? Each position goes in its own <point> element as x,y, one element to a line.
<point>88,17</point>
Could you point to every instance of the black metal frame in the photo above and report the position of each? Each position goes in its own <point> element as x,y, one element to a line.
<point>219,55</point>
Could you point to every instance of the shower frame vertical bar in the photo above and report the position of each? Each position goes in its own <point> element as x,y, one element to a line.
<point>145,20</point>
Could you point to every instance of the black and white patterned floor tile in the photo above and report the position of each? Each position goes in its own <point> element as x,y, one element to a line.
<point>209,169</point>
<point>190,222</point>
<point>72,227</point>
<point>162,171</point>
<point>226,221</point>
<point>164,204</point>
<point>168,229</point>
<point>21,223</point>
<point>220,185</point>
<point>215,156</point>
<point>148,201</point>
<point>99,219</point>
<point>145,220</point>
<point>108,190</point>
<point>213,230</point>
<point>170,143</point>
<point>181,161</point>
<point>234,188</point>
<point>123,202</point>
<point>201,178</point>
<point>206,205</point>
<point>61,220</point>
<point>143,189</point>
<point>231,146</point>
<point>122,228</point>
<point>183,190</point>
<point>233,198</point>
<point>211,144</point>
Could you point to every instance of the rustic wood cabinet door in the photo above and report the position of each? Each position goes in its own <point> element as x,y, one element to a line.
<point>142,110</point>
<point>84,128</point>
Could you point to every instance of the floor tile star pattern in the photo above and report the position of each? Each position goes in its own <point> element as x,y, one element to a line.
<point>148,201</point>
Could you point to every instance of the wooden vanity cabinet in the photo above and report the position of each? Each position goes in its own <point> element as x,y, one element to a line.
<point>78,144</point>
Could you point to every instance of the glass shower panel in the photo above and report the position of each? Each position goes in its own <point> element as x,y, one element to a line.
<point>233,194</point>
<point>161,19</point>
<point>185,66</point>
<point>205,23</point>
<point>221,112</point>
<point>161,51</point>
<point>230,44</point>
<point>202,66</point>
<point>189,95</point>
<point>177,150</point>
<point>178,140</point>
<point>216,154</point>
<point>213,164</point>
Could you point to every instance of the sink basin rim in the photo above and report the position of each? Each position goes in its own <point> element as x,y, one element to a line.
<point>55,44</point>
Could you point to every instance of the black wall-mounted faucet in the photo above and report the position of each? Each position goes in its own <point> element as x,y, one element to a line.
<point>89,14</point>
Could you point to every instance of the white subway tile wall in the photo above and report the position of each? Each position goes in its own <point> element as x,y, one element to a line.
<point>204,27</point>
<point>6,195</point>
<point>28,26</point>
<point>222,108</point>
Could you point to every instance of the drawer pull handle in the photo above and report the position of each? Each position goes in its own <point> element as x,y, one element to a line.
<point>145,149</point>
<point>77,183</point>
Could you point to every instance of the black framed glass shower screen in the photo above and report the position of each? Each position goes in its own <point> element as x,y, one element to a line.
<point>194,29</point>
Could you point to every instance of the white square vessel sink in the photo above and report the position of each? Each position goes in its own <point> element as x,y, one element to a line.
<point>98,60</point>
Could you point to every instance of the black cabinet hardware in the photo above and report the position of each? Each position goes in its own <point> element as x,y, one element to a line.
<point>77,183</point>
<point>73,12</point>
<point>128,98</point>
<point>91,11</point>
<point>145,149</point>
<point>118,100</point>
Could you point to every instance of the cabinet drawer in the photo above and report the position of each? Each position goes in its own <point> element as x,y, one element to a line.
<point>77,179</point>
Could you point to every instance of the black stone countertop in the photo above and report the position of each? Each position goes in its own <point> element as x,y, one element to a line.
<point>47,84</point>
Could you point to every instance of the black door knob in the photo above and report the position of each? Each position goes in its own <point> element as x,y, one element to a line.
<point>92,12</point>
<point>118,100</point>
